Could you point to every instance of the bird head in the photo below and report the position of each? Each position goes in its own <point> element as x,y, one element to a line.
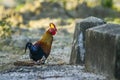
<point>28,45</point>
<point>52,29</point>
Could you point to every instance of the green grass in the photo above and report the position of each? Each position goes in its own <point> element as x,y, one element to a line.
<point>112,20</point>
<point>19,7</point>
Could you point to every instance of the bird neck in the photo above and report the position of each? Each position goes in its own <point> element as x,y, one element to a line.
<point>45,42</point>
<point>46,37</point>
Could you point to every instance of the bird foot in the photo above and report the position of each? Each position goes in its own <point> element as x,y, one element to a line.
<point>41,62</point>
<point>37,63</point>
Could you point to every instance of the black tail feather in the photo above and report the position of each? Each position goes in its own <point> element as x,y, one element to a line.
<point>28,44</point>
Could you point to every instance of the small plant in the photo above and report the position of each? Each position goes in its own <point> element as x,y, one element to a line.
<point>107,3</point>
<point>5,28</point>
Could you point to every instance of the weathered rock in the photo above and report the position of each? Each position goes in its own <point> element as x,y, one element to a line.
<point>78,50</point>
<point>103,50</point>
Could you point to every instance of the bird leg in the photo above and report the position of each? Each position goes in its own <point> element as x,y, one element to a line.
<point>42,61</point>
<point>34,62</point>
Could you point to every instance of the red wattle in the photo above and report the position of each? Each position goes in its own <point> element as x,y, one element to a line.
<point>54,32</point>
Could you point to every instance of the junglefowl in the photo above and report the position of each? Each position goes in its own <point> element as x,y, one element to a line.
<point>41,49</point>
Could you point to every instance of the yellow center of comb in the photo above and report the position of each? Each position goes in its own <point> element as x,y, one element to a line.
<point>52,25</point>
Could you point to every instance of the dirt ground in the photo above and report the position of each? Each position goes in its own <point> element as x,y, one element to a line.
<point>29,23</point>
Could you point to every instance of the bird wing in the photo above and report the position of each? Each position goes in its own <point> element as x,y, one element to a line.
<point>36,52</point>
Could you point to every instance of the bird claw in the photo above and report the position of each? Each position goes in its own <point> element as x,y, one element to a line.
<point>42,61</point>
<point>35,62</point>
<point>39,62</point>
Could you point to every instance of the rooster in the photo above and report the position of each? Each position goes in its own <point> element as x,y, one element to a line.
<point>41,49</point>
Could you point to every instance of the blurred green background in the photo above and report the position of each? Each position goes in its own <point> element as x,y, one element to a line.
<point>23,13</point>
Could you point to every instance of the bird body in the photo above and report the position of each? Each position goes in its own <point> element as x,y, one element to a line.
<point>46,40</point>
<point>41,49</point>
